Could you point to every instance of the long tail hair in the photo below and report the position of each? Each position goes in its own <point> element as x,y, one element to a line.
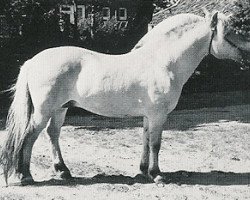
<point>17,124</point>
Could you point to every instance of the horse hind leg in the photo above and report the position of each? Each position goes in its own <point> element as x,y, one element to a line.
<point>53,130</point>
<point>37,123</point>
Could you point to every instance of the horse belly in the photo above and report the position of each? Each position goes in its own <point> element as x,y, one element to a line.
<point>113,105</point>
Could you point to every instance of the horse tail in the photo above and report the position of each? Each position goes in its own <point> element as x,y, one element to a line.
<point>18,120</point>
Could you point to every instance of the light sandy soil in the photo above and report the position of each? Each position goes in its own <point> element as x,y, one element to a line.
<point>205,154</point>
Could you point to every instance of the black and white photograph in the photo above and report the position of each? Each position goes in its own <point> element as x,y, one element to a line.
<point>124,99</point>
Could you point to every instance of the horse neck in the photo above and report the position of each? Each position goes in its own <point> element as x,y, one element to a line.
<point>182,56</point>
<point>193,55</point>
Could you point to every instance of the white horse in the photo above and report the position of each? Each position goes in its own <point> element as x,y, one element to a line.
<point>145,82</point>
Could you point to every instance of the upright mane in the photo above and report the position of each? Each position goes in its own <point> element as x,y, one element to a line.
<point>184,26</point>
<point>171,28</point>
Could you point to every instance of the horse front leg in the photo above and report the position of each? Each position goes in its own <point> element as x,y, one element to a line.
<point>155,134</point>
<point>145,152</point>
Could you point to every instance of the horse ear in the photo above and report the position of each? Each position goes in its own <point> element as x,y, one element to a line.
<point>229,16</point>
<point>214,21</point>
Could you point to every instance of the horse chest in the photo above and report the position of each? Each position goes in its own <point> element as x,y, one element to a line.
<point>163,84</point>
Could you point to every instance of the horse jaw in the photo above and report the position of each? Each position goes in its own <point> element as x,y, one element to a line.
<point>240,41</point>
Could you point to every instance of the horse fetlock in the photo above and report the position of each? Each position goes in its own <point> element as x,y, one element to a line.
<point>154,172</point>
<point>144,168</point>
<point>60,167</point>
<point>65,175</point>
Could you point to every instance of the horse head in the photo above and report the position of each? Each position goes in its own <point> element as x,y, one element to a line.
<point>225,42</point>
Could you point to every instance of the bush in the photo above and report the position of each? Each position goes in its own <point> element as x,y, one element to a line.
<point>240,21</point>
<point>109,36</point>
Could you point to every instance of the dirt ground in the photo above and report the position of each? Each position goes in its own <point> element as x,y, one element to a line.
<point>204,155</point>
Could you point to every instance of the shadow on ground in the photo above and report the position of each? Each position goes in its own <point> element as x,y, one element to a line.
<point>177,120</point>
<point>180,177</point>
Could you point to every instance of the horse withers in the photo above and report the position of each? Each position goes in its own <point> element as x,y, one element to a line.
<point>145,82</point>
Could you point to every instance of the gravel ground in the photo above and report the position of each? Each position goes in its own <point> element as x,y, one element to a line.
<point>204,155</point>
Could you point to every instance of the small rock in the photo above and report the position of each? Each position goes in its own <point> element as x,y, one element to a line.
<point>235,159</point>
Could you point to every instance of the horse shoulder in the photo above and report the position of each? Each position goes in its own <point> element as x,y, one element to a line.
<point>158,83</point>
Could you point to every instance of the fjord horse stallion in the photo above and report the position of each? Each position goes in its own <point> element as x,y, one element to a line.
<point>145,82</point>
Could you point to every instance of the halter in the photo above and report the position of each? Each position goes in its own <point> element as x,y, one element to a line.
<point>211,40</point>
<point>232,44</point>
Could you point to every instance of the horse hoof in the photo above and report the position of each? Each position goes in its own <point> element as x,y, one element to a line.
<point>27,181</point>
<point>159,181</point>
<point>143,178</point>
<point>65,175</point>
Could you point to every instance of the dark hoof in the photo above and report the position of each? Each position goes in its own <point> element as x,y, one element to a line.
<point>23,181</point>
<point>65,175</point>
<point>143,178</point>
<point>61,171</point>
<point>27,181</point>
